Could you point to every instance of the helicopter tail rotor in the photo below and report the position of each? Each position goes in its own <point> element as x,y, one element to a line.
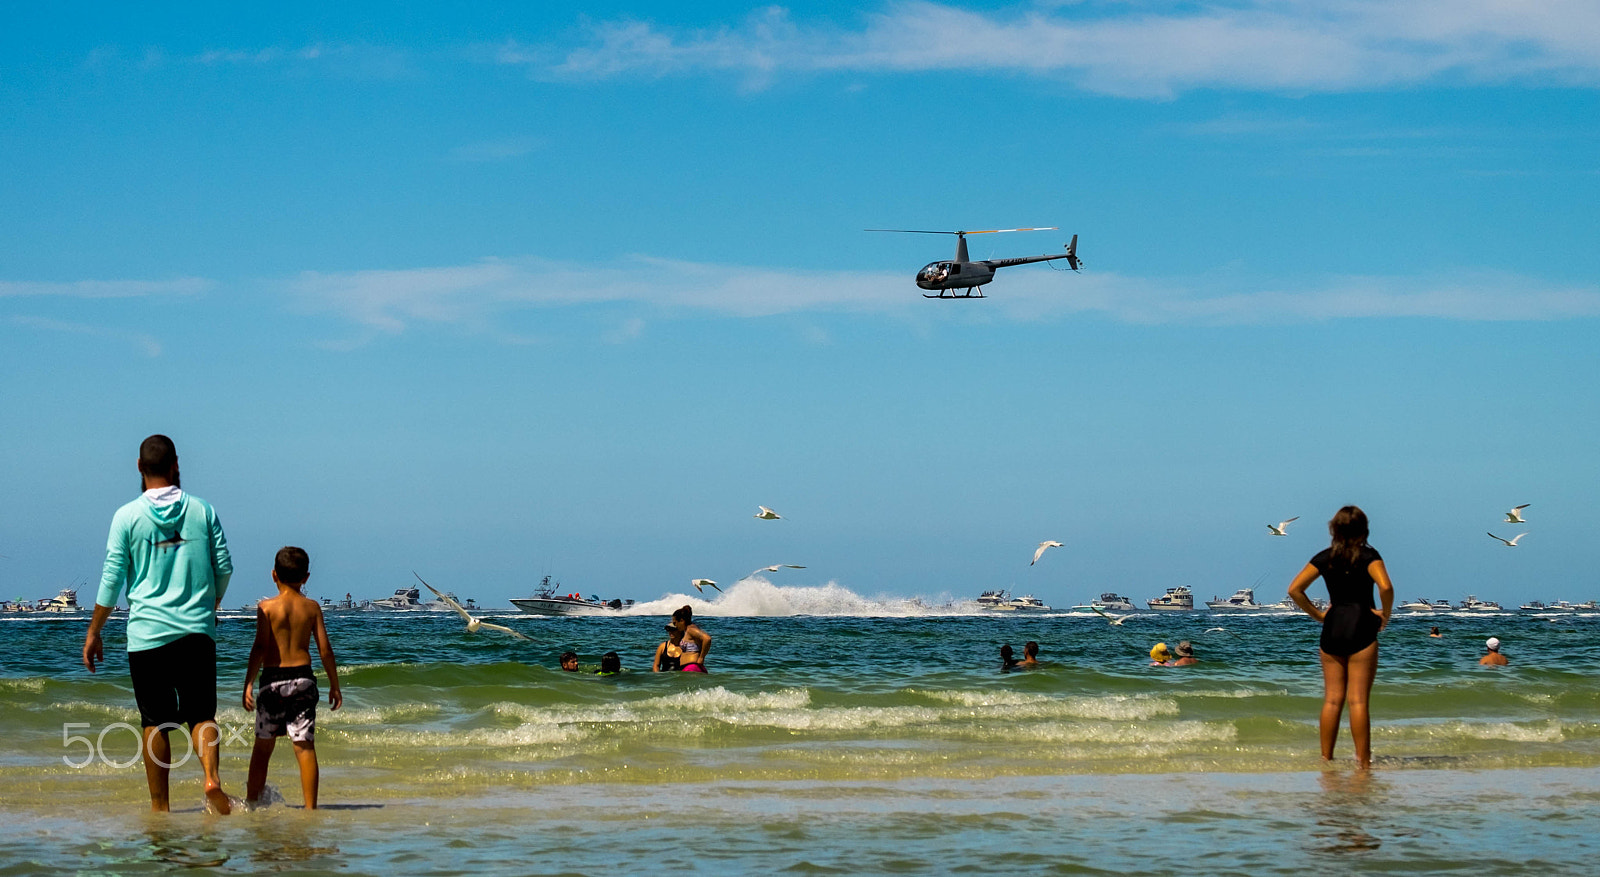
<point>1072,254</point>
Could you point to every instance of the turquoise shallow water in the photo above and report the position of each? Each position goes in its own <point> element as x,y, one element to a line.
<point>897,735</point>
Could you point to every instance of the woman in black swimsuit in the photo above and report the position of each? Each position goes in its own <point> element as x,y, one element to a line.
<point>1350,627</point>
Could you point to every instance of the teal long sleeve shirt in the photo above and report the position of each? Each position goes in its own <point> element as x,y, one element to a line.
<point>174,562</point>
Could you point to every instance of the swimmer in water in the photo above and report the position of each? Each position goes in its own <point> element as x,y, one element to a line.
<point>1493,658</point>
<point>610,665</point>
<point>1030,655</point>
<point>569,662</point>
<point>1160,655</point>
<point>1007,662</point>
<point>1434,632</point>
<point>669,652</point>
<point>1185,655</point>
<point>696,643</point>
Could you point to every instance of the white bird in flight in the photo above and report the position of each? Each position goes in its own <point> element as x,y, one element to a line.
<point>774,568</point>
<point>1043,547</point>
<point>1510,543</point>
<point>701,585</point>
<point>1115,620</point>
<point>474,624</point>
<point>767,514</point>
<point>1515,515</point>
<point>1282,525</point>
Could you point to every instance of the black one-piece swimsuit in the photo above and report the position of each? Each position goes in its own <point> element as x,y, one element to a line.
<point>1350,625</point>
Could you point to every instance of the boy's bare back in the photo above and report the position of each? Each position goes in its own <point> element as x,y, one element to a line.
<point>291,619</point>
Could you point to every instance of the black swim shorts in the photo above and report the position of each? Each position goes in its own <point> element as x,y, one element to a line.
<point>176,682</point>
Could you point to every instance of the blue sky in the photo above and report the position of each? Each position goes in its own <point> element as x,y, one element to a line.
<point>571,289</point>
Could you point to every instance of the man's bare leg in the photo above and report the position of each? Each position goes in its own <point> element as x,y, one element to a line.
<point>157,754</point>
<point>306,754</point>
<point>260,757</point>
<point>208,742</point>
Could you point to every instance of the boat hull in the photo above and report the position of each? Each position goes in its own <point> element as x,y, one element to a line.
<point>559,606</point>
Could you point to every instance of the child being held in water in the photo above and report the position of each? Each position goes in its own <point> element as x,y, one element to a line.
<point>287,703</point>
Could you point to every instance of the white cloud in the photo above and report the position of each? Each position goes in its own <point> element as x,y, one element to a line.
<point>477,297</point>
<point>145,342</point>
<point>105,288</point>
<point>1136,49</point>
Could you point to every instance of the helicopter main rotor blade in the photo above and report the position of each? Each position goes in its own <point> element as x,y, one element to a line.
<point>912,231</point>
<point>999,230</point>
<point>984,231</point>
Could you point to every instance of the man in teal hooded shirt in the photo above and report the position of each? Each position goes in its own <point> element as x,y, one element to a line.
<point>168,550</point>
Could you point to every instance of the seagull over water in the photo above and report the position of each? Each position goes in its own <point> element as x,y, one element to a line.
<point>774,568</point>
<point>1280,530</point>
<point>1510,543</point>
<point>1043,547</point>
<point>767,514</point>
<point>1115,620</point>
<point>701,585</point>
<point>474,624</point>
<point>1515,515</point>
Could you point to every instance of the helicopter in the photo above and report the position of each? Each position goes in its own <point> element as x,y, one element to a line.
<point>963,273</point>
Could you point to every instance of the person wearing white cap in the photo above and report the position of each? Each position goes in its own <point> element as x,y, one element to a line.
<point>1493,658</point>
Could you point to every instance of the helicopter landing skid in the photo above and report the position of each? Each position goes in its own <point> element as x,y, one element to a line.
<point>968,294</point>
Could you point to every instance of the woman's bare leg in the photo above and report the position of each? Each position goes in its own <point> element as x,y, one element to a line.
<point>1334,685</point>
<point>1363,668</point>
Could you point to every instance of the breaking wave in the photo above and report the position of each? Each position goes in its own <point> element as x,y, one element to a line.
<point>756,597</point>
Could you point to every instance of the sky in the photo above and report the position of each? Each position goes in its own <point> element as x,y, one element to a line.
<point>496,292</point>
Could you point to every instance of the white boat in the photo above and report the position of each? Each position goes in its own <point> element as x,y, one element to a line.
<point>545,601</point>
<point>1416,606</point>
<point>1288,605</point>
<point>992,599</point>
<point>1179,599</point>
<point>1588,606</point>
<point>1243,600</point>
<point>1107,602</point>
<point>1027,603</point>
<point>402,599</point>
<point>1535,606</point>
<point>441,606</point>
<point>1473,604</point>
<point>66,601</point>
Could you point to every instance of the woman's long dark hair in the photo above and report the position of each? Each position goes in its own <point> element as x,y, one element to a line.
<point>1349,531</point>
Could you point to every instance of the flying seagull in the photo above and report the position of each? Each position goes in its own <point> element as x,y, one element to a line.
<point>1282,525</point>
<point>774,568</point>
<point>767,514</point>
<point>1515,515</point>
<point>474,624</point>
<point>1510,543</point>
<point>701,585</point>
<point>1043,547</point>
<point>1116,620</point>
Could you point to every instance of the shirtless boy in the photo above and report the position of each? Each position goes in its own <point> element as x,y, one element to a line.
<point>288,700</point>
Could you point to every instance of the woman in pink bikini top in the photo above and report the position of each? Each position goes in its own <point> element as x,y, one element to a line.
<point>696,643</point>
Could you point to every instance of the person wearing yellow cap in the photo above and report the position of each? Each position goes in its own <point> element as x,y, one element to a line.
<point>1160,656</point>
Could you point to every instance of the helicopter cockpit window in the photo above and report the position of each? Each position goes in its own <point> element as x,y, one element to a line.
<point>955,269</point>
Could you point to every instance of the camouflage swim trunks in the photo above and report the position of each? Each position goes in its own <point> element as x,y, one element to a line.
<point>287,704</point>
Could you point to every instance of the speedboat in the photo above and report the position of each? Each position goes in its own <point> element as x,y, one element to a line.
<point>1179,599</point>
<point>1416,606</point>
<point>441,606</point>
<point>1243,600</point>
<point>1473,604</point>
<point>1107,602</point>
<point>66,601</point>
<point>1027,603</point>
<point>1588,606</point>
<point>1535,606</point>
<point>403,598</point>
<point>992,599</point>
<point>545,601</point>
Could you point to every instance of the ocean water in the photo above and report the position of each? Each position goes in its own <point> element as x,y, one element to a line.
<point>879,737</point>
